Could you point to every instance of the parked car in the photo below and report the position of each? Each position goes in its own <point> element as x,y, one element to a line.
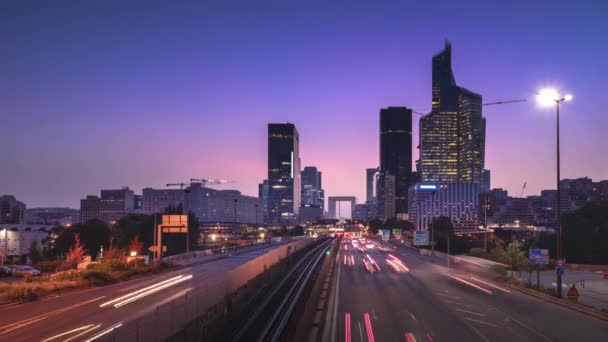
<point>5,271</point>
<point>22,271</point>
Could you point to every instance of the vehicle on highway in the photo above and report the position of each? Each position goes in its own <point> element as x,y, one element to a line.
<point>22,271</point>
<point>5,271</point>
<point>370,264</point>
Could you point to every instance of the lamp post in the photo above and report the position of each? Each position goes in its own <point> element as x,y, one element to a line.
<point>548,97</point>
<point>213,241</point>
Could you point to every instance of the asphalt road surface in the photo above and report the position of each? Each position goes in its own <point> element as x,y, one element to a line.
<point>81,315</point>
<point>417,298</point>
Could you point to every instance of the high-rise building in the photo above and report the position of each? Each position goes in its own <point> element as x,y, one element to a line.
<point>223,206</point>
<point>89,209</point>
<point>11,210</point>
<point>370,179</point>
<point>396,151</point>
<point>385,189</point>
<point>485,181</point>
<point>312,191</point>
<point>283,173</point>
<point>263,196</point>
<point>452,135</point>
<point>114,204</point>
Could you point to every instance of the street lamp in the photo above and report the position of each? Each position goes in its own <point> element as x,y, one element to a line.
<point>546,98</point>
<point>213,237</point>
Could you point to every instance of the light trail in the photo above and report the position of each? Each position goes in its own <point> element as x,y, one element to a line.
<point>486,291</point>
<point>133,296</point>
<point>139,291</point>
<point>84,327</point>
<point>105,332</point>
<point>368,328</point>
<point>347,329</point>
<point>492,285</point>
<point>429,337</point>
<point>409,337</point>
<point>82,333</point>
<point>151,291</point>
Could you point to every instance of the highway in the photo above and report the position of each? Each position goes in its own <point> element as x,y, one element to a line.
<point>115,309</point>
<point>417,298</point>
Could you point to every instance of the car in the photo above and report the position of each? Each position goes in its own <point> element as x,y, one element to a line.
<point>25,270</point>
<point>5,271</point>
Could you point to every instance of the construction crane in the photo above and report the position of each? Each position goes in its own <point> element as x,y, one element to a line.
<point>485,104</point>
<point>522,189</point>
<point>205,181</point>
<point>181,185</point>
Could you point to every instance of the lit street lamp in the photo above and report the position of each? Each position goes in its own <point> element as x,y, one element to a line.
<point>213,237</point>
<point>546,98</point>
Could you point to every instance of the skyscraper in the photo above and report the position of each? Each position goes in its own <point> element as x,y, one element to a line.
<point>452,135</point>
<point>396,151</point>
<point>263,196</point>
<point>370,177</point>
<point>386,191</point>
<point>312,188</point>
<point>283,173</point>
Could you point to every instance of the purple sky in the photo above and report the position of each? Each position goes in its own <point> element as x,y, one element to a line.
<point>113,94</point>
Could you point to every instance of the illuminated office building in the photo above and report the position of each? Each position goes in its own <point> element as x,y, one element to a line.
<point>452,135</point>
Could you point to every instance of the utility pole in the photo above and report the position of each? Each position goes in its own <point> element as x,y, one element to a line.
<point>559,221</point>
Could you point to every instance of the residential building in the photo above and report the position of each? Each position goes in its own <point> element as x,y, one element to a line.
<point>283,174</point>
<point>11,210</point>
<point>452,135</point>
<point>396,151</point>
<point>89,208</point>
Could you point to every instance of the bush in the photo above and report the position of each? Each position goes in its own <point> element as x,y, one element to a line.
<point>477,252</point>
<point>70,275</point>
<point>49,266</point>
<point>108,266</point>
<point>97,278</point>
<point>23,292</point>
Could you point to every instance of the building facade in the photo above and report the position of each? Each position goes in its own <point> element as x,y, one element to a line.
<point>283,174</point>
<point>16,240</point>
<point>89,208</point>
<point>312,188</point>
<point>115,204</point>
<point>385,190</point>
<point>371,176</point>
<point>11,210</point>
<point>53,216</point>
<point>396,151</point>
<point>223,206</point>
<point>263,189</point>
<point>452,135</point>
<point>310,213</point>
<point>157,200</point>
<point>458,201</point>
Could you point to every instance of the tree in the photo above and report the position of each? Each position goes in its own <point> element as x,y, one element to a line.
<point>136,245</point>
<point>132,225</point>
<point>297,231</point>
<point>374,226</point>
<point>585,234</point>
<point>515,256</point>
<point>35,252</point>
<point>442,227</point>
<point>94,234</point>
<point>76,253</point>
<point>502,234</point>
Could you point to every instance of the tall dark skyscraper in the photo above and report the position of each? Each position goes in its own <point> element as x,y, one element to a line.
<point>283,173</point>
<point>452,136</point>
<point>312,191</point>
<point>396,151</point>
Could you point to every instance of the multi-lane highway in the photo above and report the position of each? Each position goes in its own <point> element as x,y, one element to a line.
<point>398,295</point>
<point>128,310</point>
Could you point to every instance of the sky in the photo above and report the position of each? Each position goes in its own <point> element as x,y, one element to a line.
<point>104,94</point>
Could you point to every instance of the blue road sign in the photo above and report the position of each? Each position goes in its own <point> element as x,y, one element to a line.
<point>421,238</point>
<point>560,270</point>
<point>539,257</point>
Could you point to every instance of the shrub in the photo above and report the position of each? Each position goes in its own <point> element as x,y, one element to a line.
<point>23,292</point>
<point>98,278</point>
<point>108,266</point>
<point>70,275</point>
<point>477,252</point>
<point>49,266</point>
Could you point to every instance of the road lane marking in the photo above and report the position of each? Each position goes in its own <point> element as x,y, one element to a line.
<point>20,324</point>
<point>412,315</point>
<point>486,291</point>
<point>481,322</point>
<point>492,285</point>
<point>84,327</point>
<point>104,332</point>
<point>471,312</point>
<point>368,328</point>
<point>447,296</point>
<point>360,331</point>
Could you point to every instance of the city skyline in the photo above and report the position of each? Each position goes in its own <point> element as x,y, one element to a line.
<point>54,95</point>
